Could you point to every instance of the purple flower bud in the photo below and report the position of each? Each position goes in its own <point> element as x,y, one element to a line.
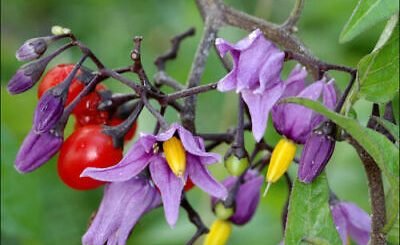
<point>247,197</point>
<point>26,76</point>
<point>317,151</point>
<point>32,49</point>
<point>49,110</point>
<point>36,150</point>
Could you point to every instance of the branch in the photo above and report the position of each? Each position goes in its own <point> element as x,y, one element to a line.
<point>195,219</point>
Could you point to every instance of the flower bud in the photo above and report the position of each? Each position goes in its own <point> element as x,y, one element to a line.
<point>281,158</point>
<point>222,212</point>
<point>36,150</point>
<point>32,49</point>
<point>49,110</point>
<point>175,155</point>
<point>316,154</point>
<point>26,76</point>
<point>236,166</point>
<point>59,30</point>
<point>219,233</point>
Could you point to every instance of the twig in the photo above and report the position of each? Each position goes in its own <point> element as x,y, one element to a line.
<point>195,219</point>
<point>290,23</point>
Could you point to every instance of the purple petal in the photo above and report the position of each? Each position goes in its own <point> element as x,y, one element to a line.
<point>36,150</point>
<point>259,106</point>
<point>166,135</point>
<point>270,72</point>
<point>194,146</point>
<point>317,151</point>
<point>224,46</point>
<point>131,165</point>
<point>329,95</point>
<point>122,206</point>
<point>202,178</point>
<point>358,222</point>
<point>295,121</point>
<point>247,200</point>
<point>48,111</point>
<point>170,187</point>
<point>295,82</point>
<point>251,62</point>
<point>340,221</point>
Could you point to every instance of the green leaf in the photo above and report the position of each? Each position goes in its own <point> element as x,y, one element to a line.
<point>377,145</point>
<point>309,214</point>
<point>392,209</point>
<point>393,129</point>
<point>366,14</point>
<point>387,32</point>
<point>393,236</point>
<point>378,72</point>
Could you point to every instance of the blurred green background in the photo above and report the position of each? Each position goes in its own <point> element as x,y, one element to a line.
<point>38,209</point>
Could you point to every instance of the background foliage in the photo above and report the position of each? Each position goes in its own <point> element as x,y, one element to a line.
<point>38,209</point>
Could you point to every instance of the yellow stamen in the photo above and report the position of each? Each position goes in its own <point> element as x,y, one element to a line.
<point>219,233</point>
<point>281,158</point>
<point>175,155</point>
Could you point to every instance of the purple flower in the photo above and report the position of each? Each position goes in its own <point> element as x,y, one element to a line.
<point>32,49</point>
<point>295,121</point>
<point>123,204</point>
<point>36,150</point>
<point>147,152</point>
<point>351,221</point>
<point>317,151</point>
<point>26,76</point>
<point>49,110</point>
<point>255,74</point>
<point>247,197</point>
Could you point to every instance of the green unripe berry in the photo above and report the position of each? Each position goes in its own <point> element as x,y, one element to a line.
<point>222,212</point>
<point>236,166</point>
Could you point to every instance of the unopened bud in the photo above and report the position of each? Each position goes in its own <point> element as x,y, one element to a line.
<point>26,76</point>
<point>175,155</point>
<point>49,110</point>
<point>59,30</point>
<point>281,158</point>
<point>236,166</point>
<point>219,233</point>
<point>32,49</point>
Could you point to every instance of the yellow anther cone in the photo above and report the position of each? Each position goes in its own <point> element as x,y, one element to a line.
<point>281,158</point>
<point>219,233</point>
<point>175,155</point>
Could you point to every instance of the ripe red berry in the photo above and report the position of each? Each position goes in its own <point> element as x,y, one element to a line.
<point>189,185</point>
<point>57,75</point>
<point>87,147</point>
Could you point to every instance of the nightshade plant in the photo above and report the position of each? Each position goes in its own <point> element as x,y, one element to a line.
<point>306,108</point>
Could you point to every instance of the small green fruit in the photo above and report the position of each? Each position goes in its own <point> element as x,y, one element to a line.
<point>236,166</point>
<point>221,212</point>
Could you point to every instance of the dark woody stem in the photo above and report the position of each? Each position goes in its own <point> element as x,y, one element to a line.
<point>375,185</point>
<point>114,101</point>
<point>195,219</point>
<point>239,136</point>
<point>158,126</point>
<point>160,119</point>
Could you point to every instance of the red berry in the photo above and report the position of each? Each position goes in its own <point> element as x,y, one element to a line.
<point>86,111</point>
<point>87,147</point>
<point>57,75</point>
<point>189,185</point>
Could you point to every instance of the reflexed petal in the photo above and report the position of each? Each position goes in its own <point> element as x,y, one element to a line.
<point>340,221</point>
<point>358,222</point>
<point>329,95</point>
<point>202,178</point>
<point>229,81</point>
<point>317,151</point>
<point>131,165</point>
<point>170,187</point>
<point>247,199</point>
<point>271,70</point>
<point>36,150</point>
<point>122,206</point>
<point>194,146</point>
<point>259,106</point>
